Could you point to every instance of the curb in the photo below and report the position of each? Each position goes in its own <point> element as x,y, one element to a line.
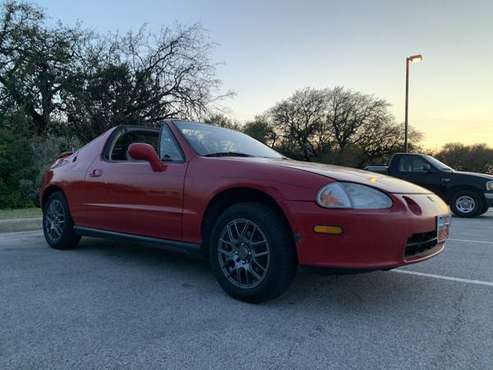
<point>20,224</point>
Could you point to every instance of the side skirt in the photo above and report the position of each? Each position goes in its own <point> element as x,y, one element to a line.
<point>172,245</point>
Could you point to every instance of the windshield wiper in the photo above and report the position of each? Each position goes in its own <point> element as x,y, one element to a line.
<point>228,154</point>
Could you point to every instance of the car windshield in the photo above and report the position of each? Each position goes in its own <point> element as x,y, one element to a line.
<point>213,141</point>
<point>440,165</point>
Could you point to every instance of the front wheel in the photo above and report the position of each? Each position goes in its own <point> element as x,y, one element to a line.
<point>252,253</point>
<point>57,223</point>
<point>485,209</point>
<point>466,203</point>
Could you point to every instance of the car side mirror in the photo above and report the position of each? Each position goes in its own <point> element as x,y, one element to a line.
<point>145,152</point>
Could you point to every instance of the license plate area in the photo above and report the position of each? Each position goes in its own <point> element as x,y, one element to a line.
<point>443,228</point>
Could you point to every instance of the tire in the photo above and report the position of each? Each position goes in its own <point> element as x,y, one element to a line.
<point>485,209</point>
<point>255,260</point>
<point>467,203</point>
<point>58,227</point>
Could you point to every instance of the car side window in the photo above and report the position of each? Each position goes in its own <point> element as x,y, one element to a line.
<point>169,149</point>
<point>119,151</point>
<point>414,164</point>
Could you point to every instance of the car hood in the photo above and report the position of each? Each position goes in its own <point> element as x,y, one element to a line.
<point>475,174</point>
<point>383,182</point>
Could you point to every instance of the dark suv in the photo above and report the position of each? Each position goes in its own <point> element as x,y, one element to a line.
<point>469,194</point>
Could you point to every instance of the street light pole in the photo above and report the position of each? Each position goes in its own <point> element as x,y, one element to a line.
<point>406,148</point>
<point>410,59</point>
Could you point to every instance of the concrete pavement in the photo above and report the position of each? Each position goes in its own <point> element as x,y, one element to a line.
<point>20,224</point>
<point>116,305</point>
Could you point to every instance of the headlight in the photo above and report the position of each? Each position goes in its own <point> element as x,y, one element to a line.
<point>489,186</point>
<point>351,195</point>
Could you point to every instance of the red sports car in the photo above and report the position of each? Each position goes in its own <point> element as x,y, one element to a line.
<point>257,215</point>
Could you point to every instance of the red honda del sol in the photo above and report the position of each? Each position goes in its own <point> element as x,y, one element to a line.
<point>256,214</point>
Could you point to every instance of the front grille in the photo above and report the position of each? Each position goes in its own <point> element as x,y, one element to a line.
<point>420,243</point>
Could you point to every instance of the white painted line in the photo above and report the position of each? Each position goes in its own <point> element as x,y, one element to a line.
<point>471,241</point>
<point>449,278</point>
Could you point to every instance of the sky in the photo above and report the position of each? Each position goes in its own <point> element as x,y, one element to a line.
<point>268,49</point>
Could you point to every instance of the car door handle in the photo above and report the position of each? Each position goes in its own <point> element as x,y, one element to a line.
<point>95,173</point>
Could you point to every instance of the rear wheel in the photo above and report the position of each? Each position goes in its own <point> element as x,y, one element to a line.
<point>467,203</point>
<point>252,253</point>
<point>57,224</point>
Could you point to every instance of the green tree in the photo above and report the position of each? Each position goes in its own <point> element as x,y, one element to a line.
<point>35,63</point>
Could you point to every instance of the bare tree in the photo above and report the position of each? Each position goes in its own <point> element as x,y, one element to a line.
<point>262,129</point>
<point>143,78</point>
<point>351,116</point>
<point>299,120</point>
<point>477,158</point>
<point>336,125</point>
<point>71,79</point>
<point>221,120</point>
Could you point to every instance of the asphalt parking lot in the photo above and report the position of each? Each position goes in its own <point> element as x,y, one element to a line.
<point>114,305</point>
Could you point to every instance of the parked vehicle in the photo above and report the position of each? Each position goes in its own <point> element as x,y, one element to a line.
<point>257,215</point>
<point>468,194</point>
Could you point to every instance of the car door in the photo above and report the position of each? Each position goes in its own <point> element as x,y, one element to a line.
<point>127,196</point>
<point>418,170</point>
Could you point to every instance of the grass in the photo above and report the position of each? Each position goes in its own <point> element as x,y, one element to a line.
<point>19,213</point>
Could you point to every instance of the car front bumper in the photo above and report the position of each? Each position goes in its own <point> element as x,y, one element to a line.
<point>370,239</point>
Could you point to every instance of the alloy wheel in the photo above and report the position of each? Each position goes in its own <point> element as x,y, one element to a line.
<point>54,221</point>
<point>243,253</point>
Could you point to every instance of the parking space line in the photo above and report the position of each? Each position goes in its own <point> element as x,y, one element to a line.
<point>449,278</point>
<point>471,241</point>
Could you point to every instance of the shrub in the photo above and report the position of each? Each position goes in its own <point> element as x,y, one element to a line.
<point>23,160</point>
<point>15,169</point>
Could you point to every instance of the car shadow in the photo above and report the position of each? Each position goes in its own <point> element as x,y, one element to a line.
<point>371,292</point>
<point>144,255</point>
<point>488,216</point>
